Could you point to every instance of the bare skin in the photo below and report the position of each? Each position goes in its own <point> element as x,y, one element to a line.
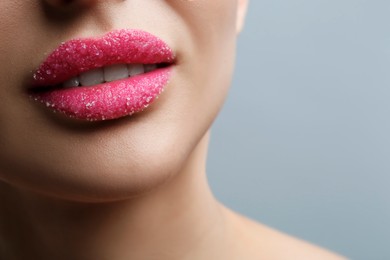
<point>135,188</point>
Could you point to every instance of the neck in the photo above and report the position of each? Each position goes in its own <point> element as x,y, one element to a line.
<point>179,220</point>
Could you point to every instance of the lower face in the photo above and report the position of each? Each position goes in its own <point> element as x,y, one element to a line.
<point>53,154</point>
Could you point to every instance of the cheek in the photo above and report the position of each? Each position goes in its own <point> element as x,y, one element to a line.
<point>209,22</point>
<point>210,51</point>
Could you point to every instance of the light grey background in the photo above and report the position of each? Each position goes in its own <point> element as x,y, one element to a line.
<point>303,142</point>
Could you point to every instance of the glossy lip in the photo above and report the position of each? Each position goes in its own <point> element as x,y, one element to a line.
<point>107,100</point>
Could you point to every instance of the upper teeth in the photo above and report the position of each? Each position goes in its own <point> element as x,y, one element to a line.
<point>108,74</point>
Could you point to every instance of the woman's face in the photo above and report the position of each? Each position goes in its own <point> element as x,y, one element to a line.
<point>53,154</point>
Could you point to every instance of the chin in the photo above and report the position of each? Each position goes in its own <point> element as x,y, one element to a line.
<point>119,166</point>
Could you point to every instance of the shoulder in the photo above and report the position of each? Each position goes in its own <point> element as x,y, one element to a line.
<point>257,241</point>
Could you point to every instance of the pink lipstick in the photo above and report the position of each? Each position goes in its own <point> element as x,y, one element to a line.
<point>96,79</point>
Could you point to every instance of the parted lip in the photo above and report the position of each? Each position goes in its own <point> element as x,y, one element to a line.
<point>80,55</point>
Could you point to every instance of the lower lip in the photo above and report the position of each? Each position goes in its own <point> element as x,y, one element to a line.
<point>107,101</point>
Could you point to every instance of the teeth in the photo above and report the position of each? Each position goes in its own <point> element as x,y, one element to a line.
<point>73,82</point>
<point>108,74</point>
<point>114,72</point>
<point>150,67</point>
<point>92,77</point>
<point>135,69</point>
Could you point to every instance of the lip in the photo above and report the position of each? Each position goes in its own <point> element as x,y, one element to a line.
<point>108,100</point>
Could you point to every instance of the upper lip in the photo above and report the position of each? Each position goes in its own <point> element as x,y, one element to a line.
<point>120,46</point>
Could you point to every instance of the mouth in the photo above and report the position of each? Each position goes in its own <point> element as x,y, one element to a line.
<point>94,79</point>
